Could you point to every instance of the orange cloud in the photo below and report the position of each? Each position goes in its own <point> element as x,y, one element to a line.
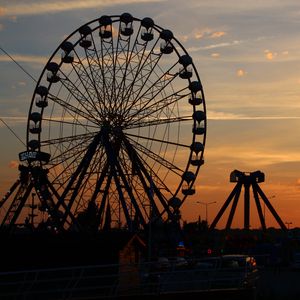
<point>241,72</point>
<point>2,11</point>
<point>215,55</point>
<point>183,38</point>
<point>217,34</point>
<point>207,32</point>
<point>198,35</point>
<point>13,164</point>
<point>270,55</point>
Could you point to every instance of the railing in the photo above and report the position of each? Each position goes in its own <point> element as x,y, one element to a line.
<point>113,281</point>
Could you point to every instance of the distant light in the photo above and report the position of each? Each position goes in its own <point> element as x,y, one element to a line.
<point>181,244</point>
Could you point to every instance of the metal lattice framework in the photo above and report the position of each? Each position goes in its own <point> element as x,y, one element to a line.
<point>118,122</point>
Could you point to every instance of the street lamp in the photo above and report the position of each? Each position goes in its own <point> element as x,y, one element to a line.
<point>288,224</point>
<point>206,208</point>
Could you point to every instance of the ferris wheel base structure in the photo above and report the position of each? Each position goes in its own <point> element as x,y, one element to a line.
<point>248,180</point>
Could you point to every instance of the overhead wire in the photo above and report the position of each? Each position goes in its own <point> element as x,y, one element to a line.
<point>28,74</point>
<point>21,67</point>
<point>12,131</point>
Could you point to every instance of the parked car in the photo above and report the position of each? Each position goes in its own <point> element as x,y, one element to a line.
<point>230,270</point>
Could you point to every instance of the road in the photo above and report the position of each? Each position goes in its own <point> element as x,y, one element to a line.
<point>278,284</point>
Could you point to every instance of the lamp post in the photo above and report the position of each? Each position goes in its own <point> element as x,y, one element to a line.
<point>288,224</point>
<point>206,208</point>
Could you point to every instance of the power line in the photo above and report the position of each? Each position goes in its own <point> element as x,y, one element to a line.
<point>12,131</point>
<point>22,68</point>
<point>28,74</point>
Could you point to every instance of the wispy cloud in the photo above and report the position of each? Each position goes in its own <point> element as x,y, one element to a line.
<point>206,33</point>
<point>25,58</point>
<point>42,7</point>
<point>215,46</point>
<point>219,115</point>
<point>12,120</point>
<point>215,55</point>
<point>217,34</point>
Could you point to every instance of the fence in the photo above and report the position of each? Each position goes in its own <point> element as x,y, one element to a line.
<point>116,281</point>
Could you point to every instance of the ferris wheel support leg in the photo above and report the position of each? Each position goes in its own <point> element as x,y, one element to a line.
<point>78,175</point>
<point>138,166</point>
<point>103,201</point>
<point>19,208</point>
<point>247,206</point>
<point>55,193</point>
<point>234,205</point>
<point>149,178</point>
<point>225,205</point>
<point>115,165</point>
<point>269,205</point>
<point>259,210</point>
<point>123,202</point>
<point>10,191</point>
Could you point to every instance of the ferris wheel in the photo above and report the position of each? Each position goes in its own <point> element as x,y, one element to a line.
<point>117,124</point>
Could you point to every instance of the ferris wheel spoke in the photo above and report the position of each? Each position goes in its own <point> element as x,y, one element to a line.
<point>160,83</point>
<point>67,139</point>
<point>151,92</point>
<point>64,122</point>
<point>157,140</point>
<point>73,155</point>
<point>157,122</point>
<point>70,108</point>
<point>155,157</point>
<point>97,69</point>
<point>126,68</point>
<point>75,93</point>
<point>107,59</point>
<point>83,109</point>
<point>88,83</point>
<point>102,75</point>
<point>86,79</point>
<point>158,106</point>
<point>70,159</point>
<point>144,69</point>
<point>71,152</point>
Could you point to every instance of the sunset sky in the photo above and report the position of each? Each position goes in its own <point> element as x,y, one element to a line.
<point>247,54</point>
